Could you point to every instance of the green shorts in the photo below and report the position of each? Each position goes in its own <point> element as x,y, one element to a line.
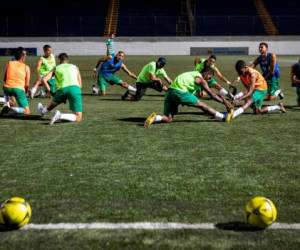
<point>258,97</point>
<point>19,94</point>
<point>72,94</point>
<point>212,81</point>
<point>174,98</point>
<point>52,85</point>
<point>273,85</point>
<point>103,82</point>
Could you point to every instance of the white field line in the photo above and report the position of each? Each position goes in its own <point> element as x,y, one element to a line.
<point>144,226</point>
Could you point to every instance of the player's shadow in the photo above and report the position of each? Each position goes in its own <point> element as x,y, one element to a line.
<point>237,226</point>
<point>22,117</point>
<point>293,108</point>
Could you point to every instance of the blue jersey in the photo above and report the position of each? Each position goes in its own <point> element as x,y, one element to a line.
<point>265,65</point>
<point>108,68</point>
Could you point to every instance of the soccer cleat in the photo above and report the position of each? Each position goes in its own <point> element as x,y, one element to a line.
<point>4,110</point>
<point>40,108</point>
<point>229,116</point>
<point>32,93</point>
<point>281,95</point>
<point>95,90</point>
<point>150,120</point>
<point>125,95</point>
<point>55,118</point>
<point>282,108</point>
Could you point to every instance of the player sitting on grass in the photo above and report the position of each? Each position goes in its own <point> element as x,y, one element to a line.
<point>45,64</point>
<point>204,65</point>
<point>270,69</point>
<point>106,74</point>
<point>68,82</point>
<point>256,91</point>
<point>16,83</point>
<point>295,79</point>
<point>149,77</point>
<point>181,91</point>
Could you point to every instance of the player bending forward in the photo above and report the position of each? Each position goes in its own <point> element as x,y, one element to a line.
<point>16,83</point>
<point>149,77</point>
<point>181,91</point>
<point>68,83</point>
<point>256,91</point>
<point>106,73</point>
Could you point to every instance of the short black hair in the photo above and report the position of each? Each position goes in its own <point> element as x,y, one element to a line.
<point>264,44</point>
<point>20,51</point>
<point>213,57</point>
<point>161,62</point>
<point>63,57</point>
<point>46,46</point>
<point>239,65</point>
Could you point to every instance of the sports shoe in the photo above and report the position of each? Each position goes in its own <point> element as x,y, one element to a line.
<point>4,110</point>
<point>282,108</point>
<point>281,95</point>
<point>32,93</point>
<point>95,90</point>
<point>55,118</point>
<point>125,95</point>
<point>150,120</point>
<point>40,108</point>
<point>229,116</point>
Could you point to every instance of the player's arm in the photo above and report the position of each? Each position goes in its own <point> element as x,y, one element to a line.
<point>254,63</point>
<point>101,60</point>
<point>272,67</point>
<point>293,78</point>
<point>79,78</point>
<point>220,76</point>
<point>27,79</point>
<point>38,67</point>
<point>200,81</point>
<point>128,71</point>
<point>251,88</point>
<point>5,74</point>
<point>168,79</point>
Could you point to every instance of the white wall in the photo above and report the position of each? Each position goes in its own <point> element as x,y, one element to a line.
<point>155,46</point>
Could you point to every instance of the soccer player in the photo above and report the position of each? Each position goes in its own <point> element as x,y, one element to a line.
<point>110,50</point>
<point>181,91</point>
<point>295,79</point>
<point>270,71</point>
<point>106,74</point>
<point>16,83</point>
<point>204,65</point>
<point>45,64</point>
<point>256,91</point>
<point>68,82</point>
<point>149,77</point>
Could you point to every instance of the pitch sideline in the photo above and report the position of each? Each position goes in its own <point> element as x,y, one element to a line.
<point>145,226</point>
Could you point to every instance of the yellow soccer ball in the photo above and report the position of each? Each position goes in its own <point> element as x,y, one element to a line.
<point>260,212</point>
<point>15,213</point>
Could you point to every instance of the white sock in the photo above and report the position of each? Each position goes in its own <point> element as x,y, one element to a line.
<point>273,108</point>
<point>131,89</point>
<point>18,110</point>
<point>223,92</point>
<point>2,100</point>
<point>238,95</point>
<point>219,116</point>
<point>158,118</point>
<point>68,117</point>
<point>238,112</point>
<point>33,91</point>
<point>277,92</point>
<point>45,111</point>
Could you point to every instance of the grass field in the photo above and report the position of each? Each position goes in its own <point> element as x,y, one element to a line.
<point>110,169</point>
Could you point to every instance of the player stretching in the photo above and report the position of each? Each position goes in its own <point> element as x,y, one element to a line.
<point>106,74</point>
<point>256,91</point>
<point>295,79</point>
<point>45,64</point>
<point>181,91</point>
<point>270,69</point>
<point>204,65</point>
<point>16,83</point>
<point>149,78</point>
<point>68,82</point>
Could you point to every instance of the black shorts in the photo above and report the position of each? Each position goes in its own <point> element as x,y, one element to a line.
<point>142,87</point>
